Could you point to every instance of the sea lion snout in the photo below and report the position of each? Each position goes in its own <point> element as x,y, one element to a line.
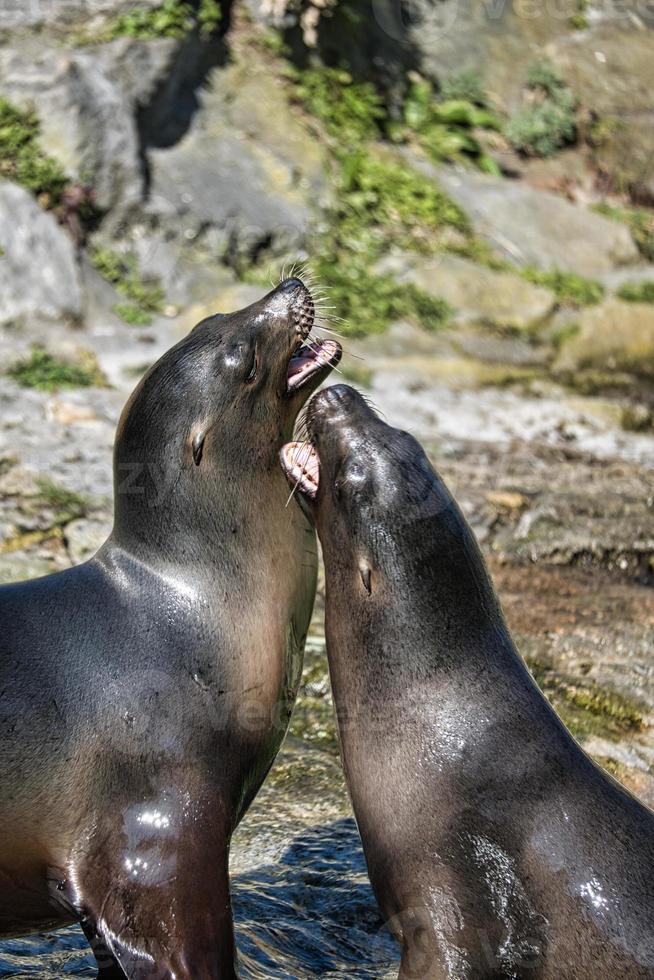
<point>292,300</point>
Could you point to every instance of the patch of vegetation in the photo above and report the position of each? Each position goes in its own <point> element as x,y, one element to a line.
<point>351,112</point>
<point>465,86</point>
<point>569,288</point>
<point>565,333</point>
<point>369,303</point>
<point>22,159</point>
<point>145,296</point>
<point>579,20</point>
<point>132,314</point>
<point>637,292</point>
<point>68,505</point>
<point>388,203</point>
<point>640,222</point>
<point>589,709</point>
<point>447,129</point>
<point>45,372</point>
<point>173,18</point>
<point>548,122</point>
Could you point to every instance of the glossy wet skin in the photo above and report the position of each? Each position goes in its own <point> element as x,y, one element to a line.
<point>146,692</point>
<point>495,846</point>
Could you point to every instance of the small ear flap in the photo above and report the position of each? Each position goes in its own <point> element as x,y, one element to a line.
<point>198,446</point>
<point>366,578</point>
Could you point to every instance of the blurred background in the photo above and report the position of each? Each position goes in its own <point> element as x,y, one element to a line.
<point>474,182</point>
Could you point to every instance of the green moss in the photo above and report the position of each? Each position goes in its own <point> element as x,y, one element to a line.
<point>132,314</point>
<point>145,296</point>
<point>639,220</point>
<point>637,292</point>
<point>68,505</point>
<point>548,122</point>
<point>588,709</point>
<point>21,157</point>
<point>568,287</point>
<point>172,18</point>
<point>45,372</point>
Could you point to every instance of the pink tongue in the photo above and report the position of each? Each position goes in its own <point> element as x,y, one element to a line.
<point>300,362</point>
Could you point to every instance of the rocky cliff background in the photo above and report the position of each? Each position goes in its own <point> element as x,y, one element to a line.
<point>473,180</point>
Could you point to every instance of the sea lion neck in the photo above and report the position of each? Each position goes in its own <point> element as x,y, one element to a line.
<point>191,524</point>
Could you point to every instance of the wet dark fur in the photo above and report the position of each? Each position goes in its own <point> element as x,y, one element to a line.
<point>495,846</point>
<point>144,694</point>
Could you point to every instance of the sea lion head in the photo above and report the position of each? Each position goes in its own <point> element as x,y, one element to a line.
<point>199,438</point>
<point>369,487</point>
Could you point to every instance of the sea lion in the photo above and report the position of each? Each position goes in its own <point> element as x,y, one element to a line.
<point>144,694</point>
<point>495,846</point>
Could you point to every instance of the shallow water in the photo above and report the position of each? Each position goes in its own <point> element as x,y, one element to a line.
<point>303,905</point>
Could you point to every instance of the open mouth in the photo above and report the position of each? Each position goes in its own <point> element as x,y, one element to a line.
<point>312,357</point>
<point>302,467</point>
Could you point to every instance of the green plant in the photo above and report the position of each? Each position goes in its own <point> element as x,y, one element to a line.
<point>548,123</point>
<point>639,220</point>
<point>350,111</point>
<point>637,292</point>
<point>22,159</point>
<point>380,203</point>
<point>568,287</point>
<point>368,303</point>
<point>446,129</point>
<point>132,314</point>
<point>146,296</point>
<point>405,207</point>
<point>172,18</point>
<point>45,372</point>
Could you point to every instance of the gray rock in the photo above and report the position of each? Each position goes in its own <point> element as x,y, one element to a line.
<point>614,336</point>
<point>85,536</point>
<point>39,275</point>
<point>21,14</point>
<point>87,121</point>
<point>247,175</point>
<point>477,294</point>
<point>530,227</point>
